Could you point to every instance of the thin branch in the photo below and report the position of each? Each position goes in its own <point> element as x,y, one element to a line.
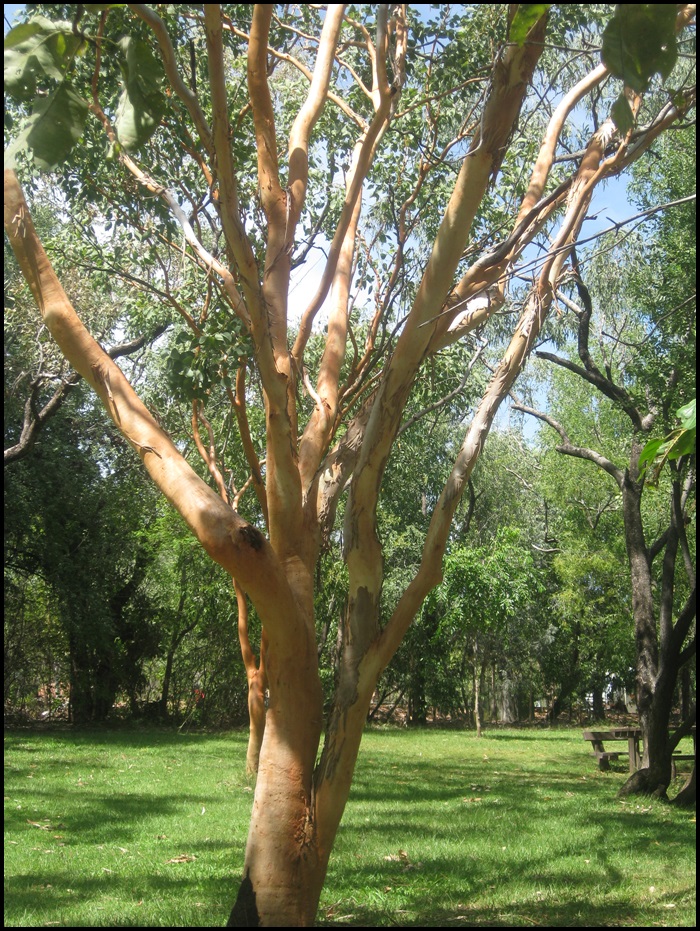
<point>35,420</point>
<point>590,371</point>
<point>567,447</point>
<point>437,405</point>
<point>173,72</point>
<point>208,455</point>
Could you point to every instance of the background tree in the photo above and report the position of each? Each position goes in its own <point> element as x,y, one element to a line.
<point>484,603</point>
<point>202,163</point>
<point>641,386</point>
<point>592,644</point>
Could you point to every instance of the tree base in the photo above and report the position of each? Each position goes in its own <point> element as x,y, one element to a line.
<point>686,797</point>
<point>644,782</point>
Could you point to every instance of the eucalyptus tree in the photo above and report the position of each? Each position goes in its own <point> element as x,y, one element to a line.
<point>635,333</point>
<point>423,146</point>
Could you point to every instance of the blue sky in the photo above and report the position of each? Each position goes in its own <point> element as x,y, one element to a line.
<point>10,10</point>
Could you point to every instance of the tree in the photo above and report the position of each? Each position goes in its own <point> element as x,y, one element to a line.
<point>484,604</point>
<point>592,647</point>
<point>433,122</point>
<point>74,513</point>
<point>637,382</point>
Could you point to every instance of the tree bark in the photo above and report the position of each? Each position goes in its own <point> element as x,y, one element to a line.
<point>686,797</point>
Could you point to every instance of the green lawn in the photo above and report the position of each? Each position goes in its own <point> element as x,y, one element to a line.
<point>147,828</point>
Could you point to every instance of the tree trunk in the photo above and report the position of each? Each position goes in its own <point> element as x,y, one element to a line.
<point>418,708</point>
<point>284,873</point>
<point>479,669</point>
<point>494,694</point>
<point>284,868</point>
<point>686,797</point>
<point>256,711</point>
<point>658,659</point>
<point>298,806</point>
<point>598,706</point>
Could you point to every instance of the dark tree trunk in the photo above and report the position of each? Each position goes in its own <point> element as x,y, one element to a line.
<point>660,653</point>
<point>598,706</point>
<point>417,705</point>
<point>686,797</point>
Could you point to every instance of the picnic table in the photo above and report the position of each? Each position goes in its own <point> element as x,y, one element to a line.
<point>633,736</point>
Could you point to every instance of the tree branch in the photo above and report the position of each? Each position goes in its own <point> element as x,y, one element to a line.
<point>567,447</point>
<point>188,97</point>
<point>35,420</point>
<point>229,210</point>
<point>232,542</point>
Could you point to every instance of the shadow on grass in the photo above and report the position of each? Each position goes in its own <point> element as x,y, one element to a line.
<point>123,736</point>
<point>504,870</point>
<point>543,914</point>
<point>52,801</point>
<point>59,891</point>
<point>437,805</point>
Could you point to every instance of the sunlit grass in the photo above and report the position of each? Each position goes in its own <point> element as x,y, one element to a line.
<point>147,828</point>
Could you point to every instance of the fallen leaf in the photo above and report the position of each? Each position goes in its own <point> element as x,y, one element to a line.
<point>35,824</point>
<point>183,858</point>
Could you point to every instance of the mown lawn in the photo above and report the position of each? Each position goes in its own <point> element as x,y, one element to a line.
<point>146,827</point>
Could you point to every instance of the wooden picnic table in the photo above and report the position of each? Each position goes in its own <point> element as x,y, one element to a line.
<point>633,736</point>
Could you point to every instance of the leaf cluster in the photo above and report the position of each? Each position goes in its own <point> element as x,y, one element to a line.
<point>40,58</point>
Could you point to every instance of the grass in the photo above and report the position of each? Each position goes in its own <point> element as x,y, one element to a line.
<point>147,828</point>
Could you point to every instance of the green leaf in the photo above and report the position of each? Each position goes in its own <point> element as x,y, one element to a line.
<point>38,48</point>
<point>650,451</point>
<point>55,125</point>
<point>141,103</point>
<point>639,41</point>
<point>622,115</point>
<point>524,19</point>
<point>680,442</point>
<point>684,445</point>
<point>686,415</point>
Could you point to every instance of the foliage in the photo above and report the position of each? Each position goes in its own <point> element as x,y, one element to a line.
<point>680,442</point>
<point>638,42</point>
<point>45,52</point>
